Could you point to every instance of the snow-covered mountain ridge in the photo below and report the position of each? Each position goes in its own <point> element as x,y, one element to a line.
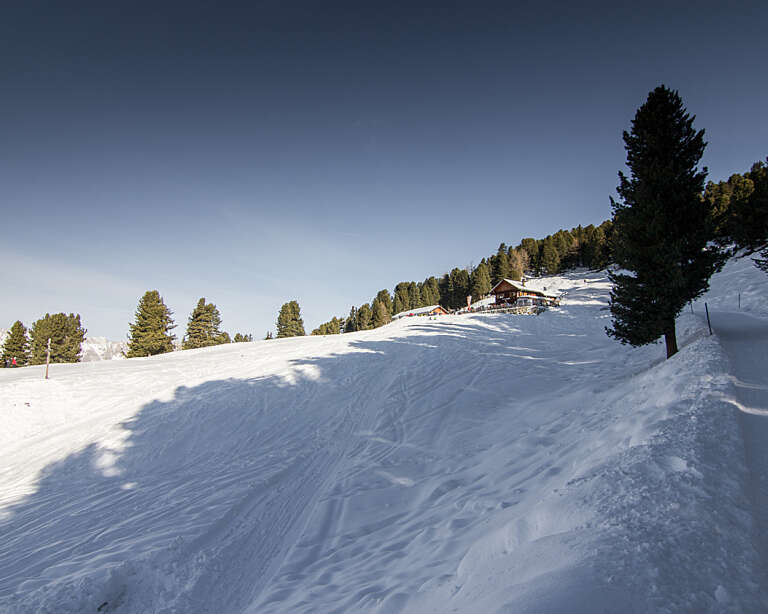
<point>93,348</point>
<point>480,463</point>
<point>101,348</point>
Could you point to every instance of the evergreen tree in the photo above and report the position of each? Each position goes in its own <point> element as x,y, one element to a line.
<point>430,292</point>
<point>350,324</point>
<point>516,264</point>
<point>66,335</point>
<point>243,338</point>
<point>445,289</point>
<point>747,218</point>
<point>402,301</point>
<point>203,327</point>
<point>385,298</point>
<point>268,336</point>
<point>531,247</point>
<point>150,332</point>
<point>579,236</point>
<point>563,244</point>
<point>289,322</point>
<point>381,315</point>
<point>364,317</point>
<point>332,327</point>
<point>550,259</point>
<point>593,251</point>
<point>414,296</point>
<point>382,308</point>
<point>480,281</point>
<point>500,264</point>
<point>663,225</point>
<point>16,346</point>
<point>458,288</point>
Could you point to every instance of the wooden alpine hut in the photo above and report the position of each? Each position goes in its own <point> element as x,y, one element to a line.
<point>511,293</point>
<point>432,310</point>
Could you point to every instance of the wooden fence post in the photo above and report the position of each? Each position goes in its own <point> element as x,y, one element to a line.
<point>48,358</point>
<point>708,322</point>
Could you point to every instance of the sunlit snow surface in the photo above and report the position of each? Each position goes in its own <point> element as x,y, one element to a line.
<point>487,463</point>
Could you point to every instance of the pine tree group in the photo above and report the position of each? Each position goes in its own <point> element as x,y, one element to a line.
<point>481,281</point>
<point>150,332</point>
<point>16,346</point>
<point>663,228</point>
<point>203,327</point>
<point>741,208</point>
<point>289,322</point>
<point>66,335</point>
<point>332,327</point>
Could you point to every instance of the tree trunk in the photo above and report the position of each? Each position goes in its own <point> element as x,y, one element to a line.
<point>671,339</point>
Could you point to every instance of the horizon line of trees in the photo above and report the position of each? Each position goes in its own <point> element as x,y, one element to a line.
<point>581,246</point>
<point>29,346</point>
<point>150,332</point>
<point>741,227</point>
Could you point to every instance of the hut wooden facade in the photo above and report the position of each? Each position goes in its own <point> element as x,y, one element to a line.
<point>509,292</point>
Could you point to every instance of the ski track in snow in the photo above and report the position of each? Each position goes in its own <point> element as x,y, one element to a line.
<point>486,463</point>
<point>745,339</point>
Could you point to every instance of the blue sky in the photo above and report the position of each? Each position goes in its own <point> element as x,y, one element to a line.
<point>263,152</point>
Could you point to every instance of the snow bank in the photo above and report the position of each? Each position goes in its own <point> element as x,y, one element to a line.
<point>479,463</point>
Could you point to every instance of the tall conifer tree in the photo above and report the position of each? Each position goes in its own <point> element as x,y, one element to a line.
<point>203,327</point>
<point>66,335</point>
<point>663,225</point>
<point>414,296</point>
<point>402,300</point>
<point>289,321</point>
<point>350,324</point>
<point>150,332</point>
<point>16,345</point>
<point>481,281</point>
<point>430,292</point>
<point>364,317</point>
<point>500,264</point>
<point>550,258</point>
<point>380,314</point>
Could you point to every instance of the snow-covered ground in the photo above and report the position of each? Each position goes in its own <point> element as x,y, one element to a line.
<point>477,463</point>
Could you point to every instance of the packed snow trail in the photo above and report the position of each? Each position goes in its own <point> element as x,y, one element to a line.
<point>745,339</point>
<point>481,463</point>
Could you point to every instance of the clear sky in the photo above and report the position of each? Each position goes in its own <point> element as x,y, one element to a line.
<point>267,151</point>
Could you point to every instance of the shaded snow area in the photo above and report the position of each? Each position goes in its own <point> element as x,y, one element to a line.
<point>473,464</point>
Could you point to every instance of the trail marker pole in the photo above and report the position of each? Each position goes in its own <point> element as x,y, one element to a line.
<point>739,301</point>
<point>48,358</point>
<point>708,322</point>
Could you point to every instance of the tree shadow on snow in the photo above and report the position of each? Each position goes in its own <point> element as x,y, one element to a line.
<point>213,483</point>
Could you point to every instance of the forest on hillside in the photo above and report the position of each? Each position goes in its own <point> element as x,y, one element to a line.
<point>737,207</point>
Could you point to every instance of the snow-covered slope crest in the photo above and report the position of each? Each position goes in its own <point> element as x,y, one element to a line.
<point>101,348</point>
<point>486,463</point>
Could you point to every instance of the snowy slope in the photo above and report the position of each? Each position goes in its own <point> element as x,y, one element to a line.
<point>478,463</point>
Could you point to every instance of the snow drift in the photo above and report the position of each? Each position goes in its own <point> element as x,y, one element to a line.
<point>485,463</point>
